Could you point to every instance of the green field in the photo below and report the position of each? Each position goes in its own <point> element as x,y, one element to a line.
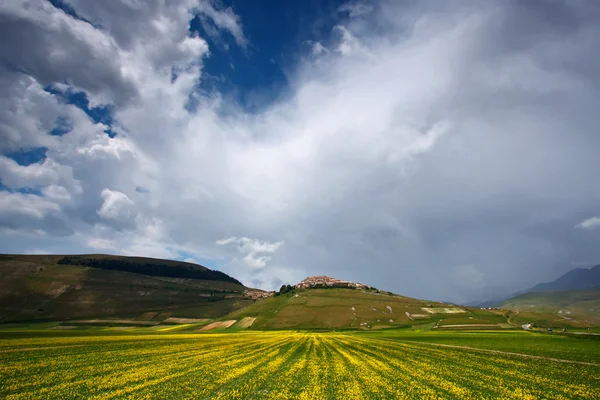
<point>306,365</point>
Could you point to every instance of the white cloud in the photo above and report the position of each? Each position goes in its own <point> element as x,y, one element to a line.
<point>22,98</point>
<point>116,206</point>
<point>349,44</point>
<point>14,175</point>
<point>57,193</point>
<point>27,206</point>
<point>316,48</point>
<point>407,148</point>
<point>253,250</point>
<point>590,223</point>
<point>356,8</point>
<point>105,146</point>
<point>224,19</point>
<point>47,173</point>
<point>102,244</point>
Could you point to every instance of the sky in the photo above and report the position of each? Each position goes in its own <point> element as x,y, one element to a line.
<point>440,150</point>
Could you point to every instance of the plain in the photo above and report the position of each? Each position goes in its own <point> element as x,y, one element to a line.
<point>398,363</point>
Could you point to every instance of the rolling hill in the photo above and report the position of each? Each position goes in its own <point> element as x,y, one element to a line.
<point>53,287</point>
<point>114,290</point>
<point>365,308</point>
<point>563,308</point>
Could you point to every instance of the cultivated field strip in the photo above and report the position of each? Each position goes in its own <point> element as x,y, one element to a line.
<point>277,365</point>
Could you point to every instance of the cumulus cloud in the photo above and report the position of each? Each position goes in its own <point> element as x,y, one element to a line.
<point>102,244</point>
<point>348,43</point>
<point>16,208</point>
<point>254,251</point>
<point>455,140</point>
<point>57,193</point>
<point>23,97</point>
<point>590,223</point>
<point>316,48</point>
<point>117,207</point>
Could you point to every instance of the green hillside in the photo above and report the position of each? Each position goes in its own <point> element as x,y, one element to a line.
<point>338,308</point>
<point>136,291</point>
<point>53,287</point>
<point>568,307</point>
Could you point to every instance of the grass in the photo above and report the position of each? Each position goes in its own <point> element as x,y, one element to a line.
<point>303,365</point>
<point>357,309</point>
<point>569,308</point>
<point>579,348</point>
<point>553,300</point>
<point>331,309</point>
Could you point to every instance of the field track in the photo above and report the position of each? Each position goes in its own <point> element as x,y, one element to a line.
<point>279,365</point>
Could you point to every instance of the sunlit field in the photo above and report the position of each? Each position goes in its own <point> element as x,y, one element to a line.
<point>284,365</point>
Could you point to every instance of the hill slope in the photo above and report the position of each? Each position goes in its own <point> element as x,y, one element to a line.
<point>147,266</point>
<point>576,279</point>
<point>50,287</point>
<point>571,307</point>
<point>340,308</point>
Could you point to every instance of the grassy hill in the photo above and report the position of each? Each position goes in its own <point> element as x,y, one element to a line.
<point>338,308</point>
<point>51,287</point>
<point>132,291</point>
<point>147,266</point>
<point>561,308</point>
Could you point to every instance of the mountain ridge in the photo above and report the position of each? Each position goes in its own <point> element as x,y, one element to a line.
<point>575,279</point>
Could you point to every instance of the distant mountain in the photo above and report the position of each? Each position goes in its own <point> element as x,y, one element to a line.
<point>487,303</point>
<point>58,287</point>
<point>574,298</point>
<point>576,279</point>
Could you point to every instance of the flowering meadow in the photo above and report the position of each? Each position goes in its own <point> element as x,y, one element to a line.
<point>280,365</point>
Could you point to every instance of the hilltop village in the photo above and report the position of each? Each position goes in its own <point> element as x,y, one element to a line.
<point>326,281</point>
<point>320,281</point>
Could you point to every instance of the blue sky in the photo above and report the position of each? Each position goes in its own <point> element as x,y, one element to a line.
<point>280,33</point>
<point>377,141</point>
